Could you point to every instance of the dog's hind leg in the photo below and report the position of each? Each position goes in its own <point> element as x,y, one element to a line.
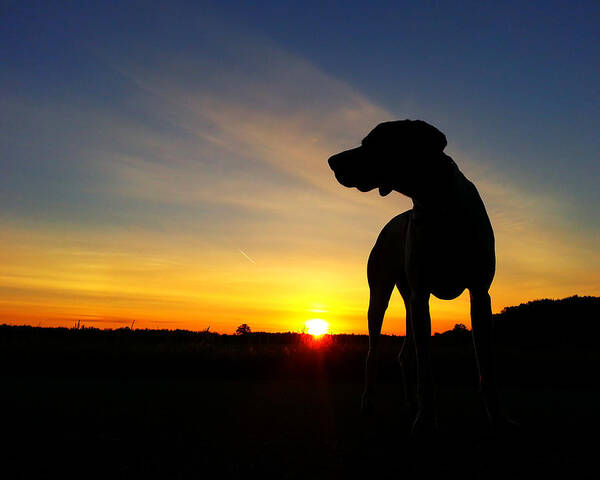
<point>378,302</point>
<point>384,269</point>
<point>381,286</point>
<point>482,326</point>
<point>407,357</point>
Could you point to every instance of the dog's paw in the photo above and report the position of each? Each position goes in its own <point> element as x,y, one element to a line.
<point>502,424</point>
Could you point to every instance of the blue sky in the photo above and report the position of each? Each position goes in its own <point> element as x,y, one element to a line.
<point>143,145</point>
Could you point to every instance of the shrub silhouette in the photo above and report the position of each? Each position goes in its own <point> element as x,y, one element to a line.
<point>243,329</point>
<point>571,320</point>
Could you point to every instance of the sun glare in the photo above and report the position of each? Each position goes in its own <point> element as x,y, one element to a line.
<point>317,327</point>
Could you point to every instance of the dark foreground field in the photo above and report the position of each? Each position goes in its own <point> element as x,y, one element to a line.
<point>283,429</point>
<point>135,404</point>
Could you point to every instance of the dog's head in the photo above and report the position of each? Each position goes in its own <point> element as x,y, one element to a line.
<point>398,155</point>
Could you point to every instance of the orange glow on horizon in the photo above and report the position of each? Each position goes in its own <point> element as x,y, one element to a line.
<point>115,279</point>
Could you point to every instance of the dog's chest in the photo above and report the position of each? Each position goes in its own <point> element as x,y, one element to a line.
<point>441,231</point>
<point>443,244</point>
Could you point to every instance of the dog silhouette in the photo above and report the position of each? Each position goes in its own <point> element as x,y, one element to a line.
<point>442,246</point>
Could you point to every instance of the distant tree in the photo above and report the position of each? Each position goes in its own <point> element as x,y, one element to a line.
<point>459,327</point>
<point>243,329</point>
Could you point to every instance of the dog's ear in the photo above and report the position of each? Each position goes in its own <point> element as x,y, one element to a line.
<point>429,137</point>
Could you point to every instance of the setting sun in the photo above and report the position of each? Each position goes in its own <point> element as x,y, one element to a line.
<point>317,326</point>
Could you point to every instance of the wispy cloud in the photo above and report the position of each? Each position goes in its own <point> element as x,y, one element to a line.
<point>247,256</point>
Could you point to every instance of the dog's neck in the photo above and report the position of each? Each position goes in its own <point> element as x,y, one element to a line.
<point>438,195</point>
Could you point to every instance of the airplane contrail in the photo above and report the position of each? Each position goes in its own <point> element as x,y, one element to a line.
<point>246,255</point>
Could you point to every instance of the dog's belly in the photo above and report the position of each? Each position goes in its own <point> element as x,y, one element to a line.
<point>447,277</point>
<point>447,292</point>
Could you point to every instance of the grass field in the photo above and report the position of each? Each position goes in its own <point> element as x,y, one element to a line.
<point>82,408</point>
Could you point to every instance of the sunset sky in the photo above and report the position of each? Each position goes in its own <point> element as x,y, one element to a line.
<point>165,163</point>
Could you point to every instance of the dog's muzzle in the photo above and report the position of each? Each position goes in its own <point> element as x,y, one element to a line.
<point>352,169</point>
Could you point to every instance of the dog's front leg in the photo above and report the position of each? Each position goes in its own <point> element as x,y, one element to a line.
<point>421,331</point>
<point>417,257</point>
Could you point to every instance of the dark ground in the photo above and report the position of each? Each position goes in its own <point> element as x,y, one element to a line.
<point>125,404</point>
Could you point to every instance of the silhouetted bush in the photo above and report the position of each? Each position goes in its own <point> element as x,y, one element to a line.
<point>573,320</point>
